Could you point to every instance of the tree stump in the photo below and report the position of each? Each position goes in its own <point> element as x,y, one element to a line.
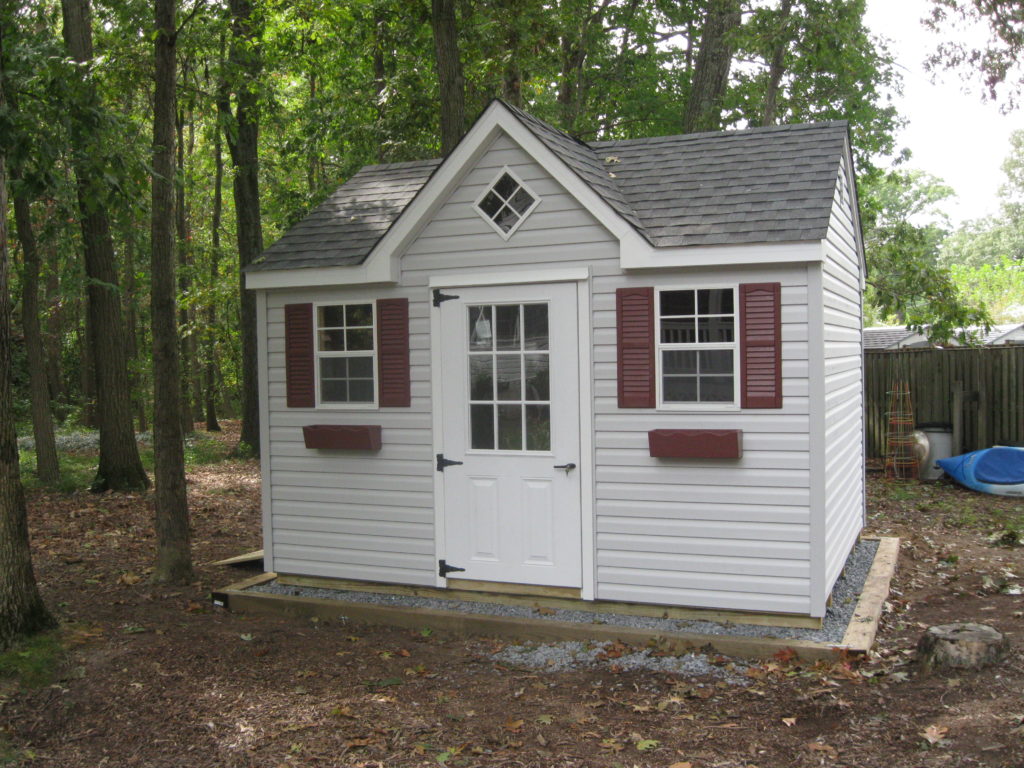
<point>960,646</point>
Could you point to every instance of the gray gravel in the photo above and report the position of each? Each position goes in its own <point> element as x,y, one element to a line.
<point>844,600</point>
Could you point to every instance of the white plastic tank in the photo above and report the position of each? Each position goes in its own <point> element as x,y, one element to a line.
<point>934,441</point>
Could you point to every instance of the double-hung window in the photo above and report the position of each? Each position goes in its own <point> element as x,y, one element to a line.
<point>345,354</point>
<point>697,351</point>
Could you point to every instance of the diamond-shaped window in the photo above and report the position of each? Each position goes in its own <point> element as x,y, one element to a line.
<point>506,203</point>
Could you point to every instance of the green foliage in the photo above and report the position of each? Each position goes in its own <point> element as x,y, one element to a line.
<point>903,230</point>
<point>999,287</point>
<point>34,662</point>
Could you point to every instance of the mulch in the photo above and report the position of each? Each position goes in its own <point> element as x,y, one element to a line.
<point>157,676</point>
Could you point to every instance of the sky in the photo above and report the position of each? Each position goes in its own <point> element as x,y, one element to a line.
<point>952,134</point>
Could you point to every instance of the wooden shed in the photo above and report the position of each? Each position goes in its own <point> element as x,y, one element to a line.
<point>620,371</point>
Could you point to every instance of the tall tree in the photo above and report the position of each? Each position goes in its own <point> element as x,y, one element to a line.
<point>120,467</point>
<point>173,557</point>
<point>47,466</point>
<point>22,611</point>
<point>711,71</point>
<point>449,73</point>
<point>245,65</point>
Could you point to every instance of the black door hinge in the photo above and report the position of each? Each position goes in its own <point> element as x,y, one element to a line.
<point>441,297</point>
<point>442,462</point>
<point>443,569</point>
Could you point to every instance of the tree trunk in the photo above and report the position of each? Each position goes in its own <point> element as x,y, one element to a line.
<point>120,467</point>
<point>449,73</point>
<point>711,70</point>
<point>22,611</point>
<point>47,466</point>
<point>512,77</point>
<point>54,330</point>
<point>173,558</point>
<point>184,260</point>
<point>246,64</point>
<point>776,67</point>
<point>210,336</point>
<point>379,79</point>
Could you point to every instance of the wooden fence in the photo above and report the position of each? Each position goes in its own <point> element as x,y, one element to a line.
<point>978,392</point>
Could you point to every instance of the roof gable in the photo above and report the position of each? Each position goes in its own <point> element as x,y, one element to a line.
<point>756,186</point>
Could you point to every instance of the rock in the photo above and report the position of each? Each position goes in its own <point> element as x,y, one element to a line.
<point>960,646</point>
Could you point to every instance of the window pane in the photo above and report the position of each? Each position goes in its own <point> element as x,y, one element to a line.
<point>481,426</point>
<point>481,377</point>
<point>360,391</point>
<point>677,361</point>
<point>714,301</point>
<point>490,204</point>
<point>332,341</point>
<point>680,389</point>
<point>718,361</point>
<point>506,219</point>
<point>535,318</point>
<point>510,427</point>
<point>360,339</point>
<point>506,186</point>
<point>508,326</point>
<point>334,367</point>
<point>678,331</point>
<point>331,317</point>
<point>360,367</point>
<point>358,314</point>
<point>521,200</point>
<point>538,428</point>
<point>334,391</point>
<point>509,377</point>
<point>715,329</point>
<point>537,387</point>
<point>480,333</point>
<point>676,302</point>
<point>716,389</point>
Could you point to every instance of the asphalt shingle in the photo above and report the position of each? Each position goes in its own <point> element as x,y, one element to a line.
<point>761,185</point>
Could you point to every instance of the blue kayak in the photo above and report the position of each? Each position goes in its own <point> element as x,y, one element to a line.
<point>992,470</point>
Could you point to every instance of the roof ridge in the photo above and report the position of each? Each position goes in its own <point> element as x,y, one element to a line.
<point>738,132</point>
<point>402,164</point>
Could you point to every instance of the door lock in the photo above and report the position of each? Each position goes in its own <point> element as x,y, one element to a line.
<point>566,467</point>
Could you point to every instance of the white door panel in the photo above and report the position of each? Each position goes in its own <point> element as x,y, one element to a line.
<point>510,414</point>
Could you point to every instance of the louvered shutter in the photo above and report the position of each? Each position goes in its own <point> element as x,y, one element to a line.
<point>761,345</point>
<point>393,353</point>
<point>634,309</point>
<point>299,369</point>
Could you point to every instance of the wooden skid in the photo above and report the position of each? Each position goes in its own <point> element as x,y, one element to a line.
<point>858,638</point>
<point>248,557</point>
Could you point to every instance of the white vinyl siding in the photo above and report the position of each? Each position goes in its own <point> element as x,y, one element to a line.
<point>841,275</point>
<point>712,533</point>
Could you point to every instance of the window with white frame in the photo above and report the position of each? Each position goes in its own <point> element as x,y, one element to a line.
<point>506,203</point>
<point>697,348</point>
<point>345,353</point>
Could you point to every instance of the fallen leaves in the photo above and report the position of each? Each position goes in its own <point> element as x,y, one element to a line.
<point>934,734</point>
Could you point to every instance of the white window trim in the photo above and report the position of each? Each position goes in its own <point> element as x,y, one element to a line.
<point>522,216</point>
<point>318,355</point>
<point>734,346</point>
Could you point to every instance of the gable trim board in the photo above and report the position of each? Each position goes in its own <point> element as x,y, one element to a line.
<point>750,533</point>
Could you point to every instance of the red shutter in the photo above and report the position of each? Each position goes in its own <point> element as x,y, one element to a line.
<point>393,353</point>
<point>761,345</point>
<point>299,370</point>
<point>634,309</point>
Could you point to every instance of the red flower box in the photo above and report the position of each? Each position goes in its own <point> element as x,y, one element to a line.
<point>696,443</point>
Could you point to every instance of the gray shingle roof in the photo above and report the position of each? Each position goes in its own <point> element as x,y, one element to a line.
<point>759,185</point>
<point>884,337</point>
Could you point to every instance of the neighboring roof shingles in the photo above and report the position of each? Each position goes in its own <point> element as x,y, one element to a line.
<point>759,185</point>
<point>884,337</point>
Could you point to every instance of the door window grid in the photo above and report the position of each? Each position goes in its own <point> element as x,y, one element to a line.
<point>697,346</point>
<point>345,354</point>
<point>509,377</point>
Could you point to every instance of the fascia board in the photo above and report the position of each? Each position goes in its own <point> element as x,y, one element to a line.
<point>645,256</point>
<point>310,277</point>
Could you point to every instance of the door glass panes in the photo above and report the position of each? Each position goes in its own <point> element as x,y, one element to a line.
<point>509,389</point>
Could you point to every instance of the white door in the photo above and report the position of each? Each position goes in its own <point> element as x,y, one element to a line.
<point>510,415</point>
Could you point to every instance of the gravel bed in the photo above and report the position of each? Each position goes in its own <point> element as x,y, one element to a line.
<point>844,601</point>
<point>572,654</point>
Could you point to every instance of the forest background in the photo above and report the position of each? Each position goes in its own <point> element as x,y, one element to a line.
<point>150,150</point>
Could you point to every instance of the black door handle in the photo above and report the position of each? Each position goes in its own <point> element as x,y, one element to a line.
<point>566,467</point>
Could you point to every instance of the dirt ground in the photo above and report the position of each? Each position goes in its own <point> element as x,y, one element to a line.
<point>158,677</point>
